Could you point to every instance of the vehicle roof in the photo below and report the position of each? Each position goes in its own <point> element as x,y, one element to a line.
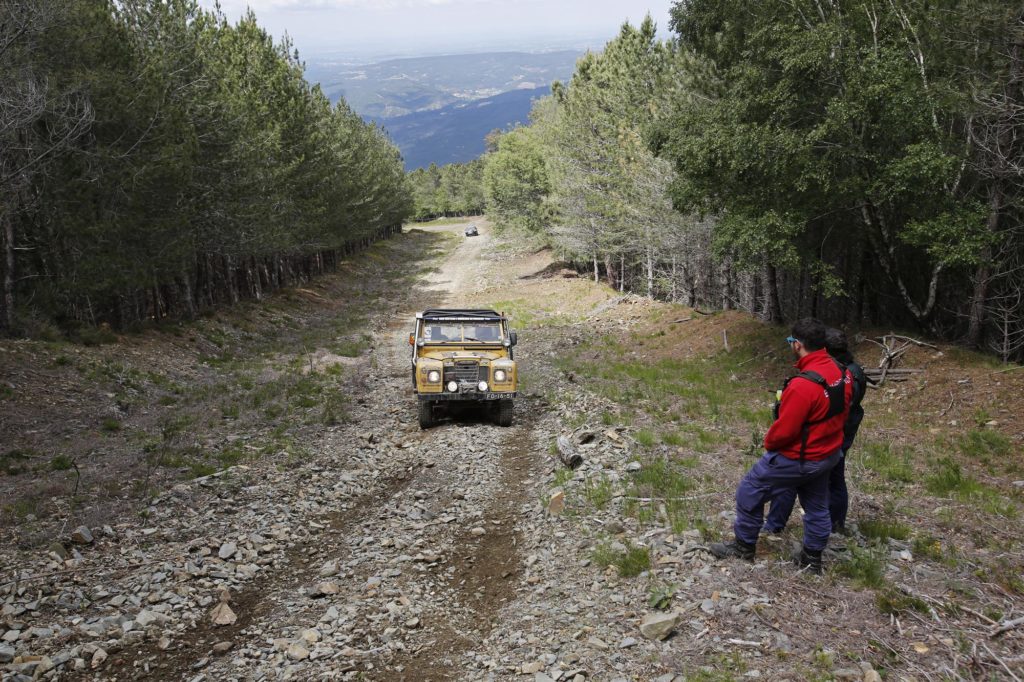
<point>453,314</point>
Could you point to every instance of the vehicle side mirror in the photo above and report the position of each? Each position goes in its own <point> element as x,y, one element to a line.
<point>513,338</point>
<point>412,339</point>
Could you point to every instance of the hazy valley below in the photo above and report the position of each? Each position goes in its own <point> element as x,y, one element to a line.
<point>438,109</point>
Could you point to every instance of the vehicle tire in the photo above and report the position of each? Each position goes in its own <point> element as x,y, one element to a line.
<point>426,414</point>
<point>504,413</point>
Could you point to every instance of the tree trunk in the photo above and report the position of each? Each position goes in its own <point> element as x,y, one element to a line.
<point>673,290</point>
<point>188,296</point>
<point>609,272</point>
<point>595,268</point>
<point>983,273</point>
<point>727,288</point>
<point>7,299</point>
<point>650,272</point>
<point>885,249</point>
<point>622,273</point>
<point>771,285</point>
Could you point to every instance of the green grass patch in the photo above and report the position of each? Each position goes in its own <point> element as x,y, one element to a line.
<point>669,390</point>
<point>865,567</point>
<point>598,491</point>
<point>894,602</point>
<point>15,462</point>
<point>61,463</point>
<point>662,486</point>
<point>928,546</point>
<point>890,465</point>
<point>110,425</point>
<point>947,479</point>
<point>630,562</point>
<point>985,446</point>
<point>646,438</point>
<point>882,529</point>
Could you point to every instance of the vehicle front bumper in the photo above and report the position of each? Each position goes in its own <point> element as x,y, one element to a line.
<point>464,396</point>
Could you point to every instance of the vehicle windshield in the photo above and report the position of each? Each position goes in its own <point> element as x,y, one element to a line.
<point>460,332</point>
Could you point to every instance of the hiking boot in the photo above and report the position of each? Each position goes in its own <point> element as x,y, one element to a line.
<point>736,548</point>
<point>809,560</point>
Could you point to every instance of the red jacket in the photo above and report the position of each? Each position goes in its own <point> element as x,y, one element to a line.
<point>805,401</point>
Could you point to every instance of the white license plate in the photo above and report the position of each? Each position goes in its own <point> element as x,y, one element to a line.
<point>494,396</point>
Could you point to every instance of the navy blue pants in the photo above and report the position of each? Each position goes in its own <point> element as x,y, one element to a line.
<point>768,478</point>
<point>838,501</point>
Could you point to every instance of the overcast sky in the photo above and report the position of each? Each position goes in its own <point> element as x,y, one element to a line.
<point>411,26</point>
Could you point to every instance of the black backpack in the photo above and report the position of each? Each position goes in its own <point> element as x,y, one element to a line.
<point>836,399</point>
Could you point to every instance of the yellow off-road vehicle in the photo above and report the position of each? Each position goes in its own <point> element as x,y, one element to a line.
<point>460,357</point>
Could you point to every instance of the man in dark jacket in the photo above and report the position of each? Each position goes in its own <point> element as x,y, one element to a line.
<point>838,496</point>
<point>801,447</point>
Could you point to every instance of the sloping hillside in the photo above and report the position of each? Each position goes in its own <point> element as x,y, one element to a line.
<point>398,87</point>
<point>455,133</point>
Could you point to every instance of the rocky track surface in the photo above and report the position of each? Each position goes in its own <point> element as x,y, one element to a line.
<point>468,552</point>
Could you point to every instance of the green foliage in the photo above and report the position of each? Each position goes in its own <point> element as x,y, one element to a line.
<point>660,595</point>
<point>14,462</point>
<point>182,161</point>
<point>893,601</point>
<point>599,491</point>
<point>630,562</point>
<point>948,479</point>
<point>110,425</point>
<point>827,130</point>
<point>61,463</point>
<point>516,181</point>
<point>985,444</point>
<point>866,567</point>
<point>883,529</point>
<point>455,189</point>
<point>893,466</point>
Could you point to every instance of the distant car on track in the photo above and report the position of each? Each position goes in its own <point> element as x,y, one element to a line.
<point>471,231</point>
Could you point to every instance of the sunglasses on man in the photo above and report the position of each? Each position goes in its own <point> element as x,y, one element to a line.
<point>791,339</point>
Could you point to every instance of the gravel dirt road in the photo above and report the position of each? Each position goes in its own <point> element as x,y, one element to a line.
<point>373,550</point>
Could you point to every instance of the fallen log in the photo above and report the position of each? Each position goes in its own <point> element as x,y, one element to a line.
<point>1006,627</point>
<point>568,454</point>
<point>874,372</point>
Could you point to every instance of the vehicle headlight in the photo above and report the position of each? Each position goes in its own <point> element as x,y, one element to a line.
<point>452,386</point>
<point>433,376</point>
<point>482,386</point>
<point>500,375</point>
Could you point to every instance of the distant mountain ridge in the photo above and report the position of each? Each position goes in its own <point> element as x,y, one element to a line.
<point>398,87</point>
<point>455,133</point>
<point>438,109</point>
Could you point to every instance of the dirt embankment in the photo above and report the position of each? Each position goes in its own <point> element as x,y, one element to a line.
<point>351,545</point>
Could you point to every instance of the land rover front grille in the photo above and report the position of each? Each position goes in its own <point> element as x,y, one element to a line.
<point>461,372</point>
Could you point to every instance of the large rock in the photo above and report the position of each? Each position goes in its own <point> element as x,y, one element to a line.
<point>82,536</point>
<point>223,615</point>
<point>297,652</point>
<point>6,653</point>
<point>147,618</point>
<point>556,505</point>
<point>658,625</point>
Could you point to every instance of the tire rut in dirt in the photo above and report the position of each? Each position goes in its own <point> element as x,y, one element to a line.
<point>253,604</point>
<point>484,580</point>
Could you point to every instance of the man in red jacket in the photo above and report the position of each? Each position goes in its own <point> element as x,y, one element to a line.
<point>801,447</point>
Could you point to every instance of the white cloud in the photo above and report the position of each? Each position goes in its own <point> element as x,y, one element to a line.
<point>318,5</point>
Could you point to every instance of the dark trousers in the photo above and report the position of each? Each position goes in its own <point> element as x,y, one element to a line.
<point>838,501</point>
<point>768,478</point>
